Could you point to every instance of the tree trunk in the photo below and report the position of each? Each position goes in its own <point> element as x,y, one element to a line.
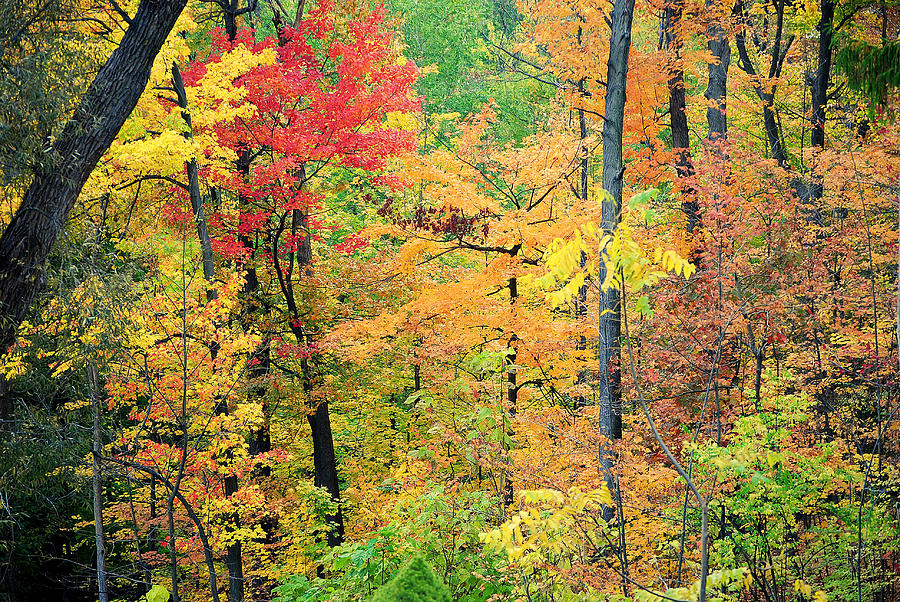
<point>819,95</point>
<point>233,560</point>
<point>97,480</point>
<point>234,553</point>
<point>677,102</point>
<point>717,84</point>
<point>324,460</point>
<point>681,142</point>
<point>26,242</point>
<point>765,92</point>
<point>231,10</point>
<point>261,438</point>
<point>609,385</point>
<point>512,392</point>
<point>823,77</point>
<point>581,308</point>
<point>325,464</point>
<point>209,265</point>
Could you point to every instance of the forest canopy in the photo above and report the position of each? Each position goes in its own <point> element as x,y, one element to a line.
<point>479,300</point>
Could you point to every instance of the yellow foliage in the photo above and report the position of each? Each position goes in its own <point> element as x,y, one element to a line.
<point>572,261</point>
<point>547,523</point>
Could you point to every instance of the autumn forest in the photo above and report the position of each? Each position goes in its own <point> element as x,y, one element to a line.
<point>433,300</point>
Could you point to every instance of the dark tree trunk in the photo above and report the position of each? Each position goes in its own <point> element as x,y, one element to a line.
<point>681,142</point>
<point>209,265</point>
<point>677,103</point>
<point>766,93</point>
<point>610,327</point>
<point>717,84</point>
<point>261,439</point>
<point>233,556</point>
<point>231,10</point>
<point>324,459</point>
<point>512,392</point>
<point>233,560</point>
<point>581,308</point>
<point>103,109</point>
<point>823,76</point>
<point>325,464</point>
<point>97,481</point>
<point>260,361</point>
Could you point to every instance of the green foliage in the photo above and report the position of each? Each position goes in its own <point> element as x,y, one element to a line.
<point>872,70</point>
<point>725,584</point>
<point>45,497</point>
<point>448,34</point>
<point>414,582</point>
<point>443,525</point>
<point>157,593</point>
<point>457,42</point>
<point>779,509</point>
<point>42,62</point>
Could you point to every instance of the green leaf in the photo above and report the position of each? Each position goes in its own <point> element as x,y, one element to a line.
<point>643,198</point>
<point>643,306</point>
<point>157,593</point>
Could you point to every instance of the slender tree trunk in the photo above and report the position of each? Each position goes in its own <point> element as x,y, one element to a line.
<point>581,308</point>
<point>234,553</point>
<point>97,480</point>
<point>610,327</point>
<point>261,438</point>
<point>176,494</point>
<point>173,553</point>
<point>681,142</point>
<point>251,286</point>
<point>717,83</point>
<point>823,76</point>
<point>26,242</point>
<point>820,83</point>
<point>512,391</point>
<point>325,464</point>
<point>209,265</point>
<point>766,92</point>
<point>324,459</point>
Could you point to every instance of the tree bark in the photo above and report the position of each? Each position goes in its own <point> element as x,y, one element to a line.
<point>234,553</point>
<point>677,102</point>
<point>717,83</point>
<point>819,95</point>
<point>766,93</point>
<point>823,75</point>
<point>209,265</point>
<point>681,142</point>
<point>610,327</point>
<point>324,459</point>
<point>325,464</point>
<point>97,481</point>
<point>26,242</point>
<point>581,307</point>
<point>512,392</point>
